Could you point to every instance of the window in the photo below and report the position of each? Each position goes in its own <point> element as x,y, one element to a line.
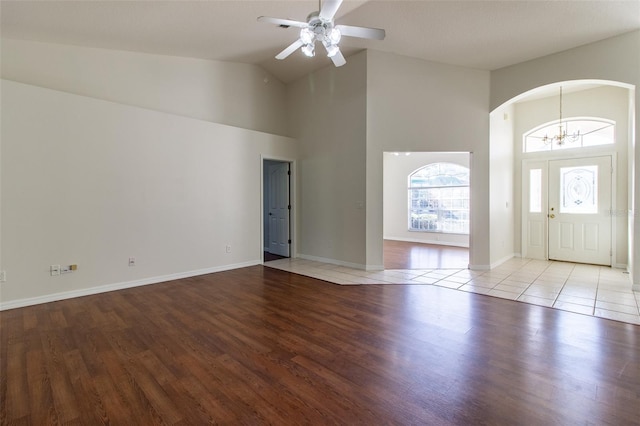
<point>587,132</point>
<point>535,191</point>
<point>439,199</point>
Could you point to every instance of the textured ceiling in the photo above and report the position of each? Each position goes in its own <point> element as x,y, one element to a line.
<point>478,34</point>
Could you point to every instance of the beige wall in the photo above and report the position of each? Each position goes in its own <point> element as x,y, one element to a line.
<point>327,111</point>
<point>502,205</point>
<point>220,92</point>
<point>416,105</point>
<point>130,151</point>
<point>380,102</point>
<point>109,154</point>
<point>92,182</point>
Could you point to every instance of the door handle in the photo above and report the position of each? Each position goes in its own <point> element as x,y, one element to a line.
<point>552,216</point>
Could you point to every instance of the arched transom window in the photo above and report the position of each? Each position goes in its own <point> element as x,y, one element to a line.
<point>439,199</point>
<point>570,133</point>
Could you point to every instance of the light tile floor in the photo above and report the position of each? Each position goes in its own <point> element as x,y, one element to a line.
<point>586,289</point>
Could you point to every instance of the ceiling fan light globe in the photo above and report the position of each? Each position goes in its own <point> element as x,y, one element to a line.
<point>334,36</point>
<point>308,50</point>
<point>332,50</point>
<point>306,35</point>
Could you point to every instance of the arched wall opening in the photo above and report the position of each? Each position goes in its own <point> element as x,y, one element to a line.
<point>611,100</point>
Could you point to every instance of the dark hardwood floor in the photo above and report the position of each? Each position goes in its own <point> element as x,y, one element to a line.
<point>262,346</point>
<point>406,255</point>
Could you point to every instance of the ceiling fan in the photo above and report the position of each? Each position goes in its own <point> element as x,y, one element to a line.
<point>321,28</point>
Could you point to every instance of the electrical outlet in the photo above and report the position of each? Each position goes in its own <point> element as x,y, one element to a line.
<point>3,276</point>
<point>228,249</point>
<point>132,261</point>
<point>54,270</point>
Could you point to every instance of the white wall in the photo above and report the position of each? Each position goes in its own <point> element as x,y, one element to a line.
<point>327,111</point>
<point>416,105</point>
<point>221,92</point>
<point>397,169</point>
<point>501,198</point>
<point>609,102</point>
<point>93,182</point>
<point>616,59</point>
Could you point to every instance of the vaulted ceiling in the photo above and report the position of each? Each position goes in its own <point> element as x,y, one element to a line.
<point>478,34</point>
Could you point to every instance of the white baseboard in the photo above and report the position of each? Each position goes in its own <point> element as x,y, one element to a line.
<point>434,242</point>
<point>20,303</point>
<point>479,267</point>
<point>492,265</point>
<point>374,268</point>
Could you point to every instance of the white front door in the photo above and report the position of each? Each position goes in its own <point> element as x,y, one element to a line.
<point>566,207</point>
<point>579,210</point>
<point>279,209</point>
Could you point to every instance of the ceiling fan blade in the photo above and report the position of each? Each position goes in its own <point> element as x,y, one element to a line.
<point>338,59</point>
<point>289,50</point>
<point>282,22</point>
<point>329,9</point>
<point>361,32</point>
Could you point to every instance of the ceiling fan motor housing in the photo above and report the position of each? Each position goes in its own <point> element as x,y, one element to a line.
<point>320,27</point>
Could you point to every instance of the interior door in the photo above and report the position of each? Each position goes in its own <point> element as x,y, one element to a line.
<point>279,209</point>
<point>579,206</point>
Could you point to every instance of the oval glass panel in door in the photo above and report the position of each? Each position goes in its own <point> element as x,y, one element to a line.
<point>579,190</point>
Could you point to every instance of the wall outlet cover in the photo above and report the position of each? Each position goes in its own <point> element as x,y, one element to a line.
<point>54,270</point>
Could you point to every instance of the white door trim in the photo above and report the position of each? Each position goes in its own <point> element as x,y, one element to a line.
<point>293,222</point>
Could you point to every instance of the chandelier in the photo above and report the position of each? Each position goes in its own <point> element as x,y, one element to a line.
<point>562,137</point>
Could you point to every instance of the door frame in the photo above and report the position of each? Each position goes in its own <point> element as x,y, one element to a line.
<point>293,227</point>
<point>524,192</point>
